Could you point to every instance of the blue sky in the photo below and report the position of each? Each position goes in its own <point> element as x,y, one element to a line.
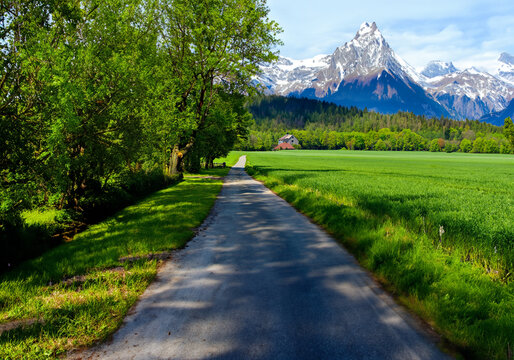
<point>467,32</point>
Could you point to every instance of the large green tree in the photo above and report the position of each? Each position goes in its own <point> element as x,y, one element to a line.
<point>227,123</point>
<point>97,95</point>
<point>208,46</point>
<point>26,26</point>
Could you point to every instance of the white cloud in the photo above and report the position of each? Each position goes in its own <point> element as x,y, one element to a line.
<point>418,49</point>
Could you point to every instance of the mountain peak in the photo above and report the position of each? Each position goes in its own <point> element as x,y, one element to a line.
<point>475,71</point>
<point>367,29</point>
<point>438,68</point>
<point>506,58</point>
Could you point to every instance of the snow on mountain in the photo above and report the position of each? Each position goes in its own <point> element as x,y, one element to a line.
<point>288,75</point>
<point>366,54</point>
<point>366,72</point>
<point>472,83</point>
<point>470,93</point>
<point>438,68</point>
<point>506,68</point>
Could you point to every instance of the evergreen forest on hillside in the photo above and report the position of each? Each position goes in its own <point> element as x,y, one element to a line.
<point>322,125</point>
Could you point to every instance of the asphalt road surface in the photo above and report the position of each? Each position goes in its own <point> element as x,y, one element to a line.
<point>260,281</point>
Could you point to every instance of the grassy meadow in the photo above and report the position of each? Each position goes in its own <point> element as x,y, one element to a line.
<point>436,228</point>
<point>79,292</point>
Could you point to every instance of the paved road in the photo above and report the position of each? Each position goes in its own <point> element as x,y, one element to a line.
<point>262,282</point>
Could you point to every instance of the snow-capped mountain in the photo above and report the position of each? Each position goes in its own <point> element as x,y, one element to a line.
<point>288,75</point>
<point>366,72</point>
<point>470,93</point>
<point>506,68</point>
<point>438,68</point>
<point>367,54</point>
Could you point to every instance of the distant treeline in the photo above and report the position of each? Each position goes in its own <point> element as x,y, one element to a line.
<point>322,125</point>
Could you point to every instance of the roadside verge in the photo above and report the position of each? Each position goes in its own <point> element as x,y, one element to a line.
<point>78,293</point>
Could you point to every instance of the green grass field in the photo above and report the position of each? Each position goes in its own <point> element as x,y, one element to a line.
<point>79,292</point>
<point>388,209</point>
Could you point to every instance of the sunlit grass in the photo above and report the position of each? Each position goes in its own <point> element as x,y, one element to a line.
<point>470,195</point>
<point>79,292</point>
<point>41,216</point>
<point>387,209</point>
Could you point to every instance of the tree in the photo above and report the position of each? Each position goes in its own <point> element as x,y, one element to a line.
<point>441,143</point>
<point>96,96</point>
<point>207,46</point>
<point>27,27</point>
<point>434,145</point>
<point>491,146</point>
<point>226,124</point>
<point>380,145</point>
<point>465,145</point>
<point>508,130</point>
<point>478,145</point>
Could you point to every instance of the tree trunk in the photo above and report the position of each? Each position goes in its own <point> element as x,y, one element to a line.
<point>208,162</point>
<point>175,163</point>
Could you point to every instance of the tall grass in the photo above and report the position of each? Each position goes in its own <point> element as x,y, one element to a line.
<point>387,208</point>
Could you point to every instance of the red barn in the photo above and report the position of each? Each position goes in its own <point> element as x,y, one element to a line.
<point>284,146</point>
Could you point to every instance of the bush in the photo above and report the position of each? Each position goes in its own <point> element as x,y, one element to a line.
<point>434,146</point>
<point>97,205</point>
<point>465,145</point>
<point>20,240</point>
<point>380,146</point>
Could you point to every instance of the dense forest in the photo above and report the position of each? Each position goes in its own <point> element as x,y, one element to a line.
<point>101,101</point>
<point>322,125</point>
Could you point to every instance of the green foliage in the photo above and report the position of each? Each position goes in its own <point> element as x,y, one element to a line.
<point>284,113</point>
<point>434,145</point>
<point>21,22</point>
<point>95,96</point>
<point>508,130</point>
<point>210,47</point>
<point>387,209</point>
<point>479,145</point>
<point>465,145</point>
<point>226,124</point>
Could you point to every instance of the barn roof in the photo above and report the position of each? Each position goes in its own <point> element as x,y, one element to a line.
<point>284,146</point>
<point>286,137</point>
